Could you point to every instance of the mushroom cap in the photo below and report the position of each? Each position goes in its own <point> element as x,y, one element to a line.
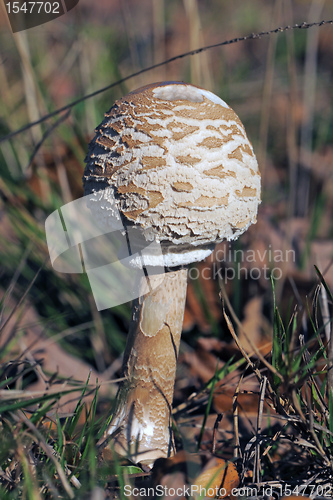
<point>175,162</point>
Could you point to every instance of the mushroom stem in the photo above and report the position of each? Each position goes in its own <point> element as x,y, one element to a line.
<point>141,424</point>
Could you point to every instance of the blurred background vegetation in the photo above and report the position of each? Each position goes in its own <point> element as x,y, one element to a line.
<point>281,88</point>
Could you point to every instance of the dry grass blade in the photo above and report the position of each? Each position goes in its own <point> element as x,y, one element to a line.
<point>46,134</point>
<point>215,429</point>
<point>242,350</point>
<point>321,401</point>
<point>267,94</point>
<point>13,281</point>
<point>48,450</point>
<point>256,471</point>
<point>311,427</point>
<point>29,469</point>
<point>225,297</point>
<point>323,300</point>
<point>317,445</point>
<point>309,101</point>
<point>279,402</point>
<point>22,299</point>
<point>274,440</point>
<point>237,447</point>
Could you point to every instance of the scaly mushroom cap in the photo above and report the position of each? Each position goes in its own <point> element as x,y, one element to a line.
<point>176,162</point>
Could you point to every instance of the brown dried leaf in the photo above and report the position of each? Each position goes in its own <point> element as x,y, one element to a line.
<point>194,314</point>
<point>293,497</point>
<point>257,326</point>
<point>208,356</point>
<point>197,471</point>
<point>49,357</point>
<point>217,479</point>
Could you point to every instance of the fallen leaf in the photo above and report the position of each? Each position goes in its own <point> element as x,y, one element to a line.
<point>216,480</point>
<point>256,326</point>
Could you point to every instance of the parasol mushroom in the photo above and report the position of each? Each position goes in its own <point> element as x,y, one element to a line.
<point>176,161</point>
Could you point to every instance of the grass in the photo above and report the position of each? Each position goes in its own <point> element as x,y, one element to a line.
<point>52,457</point>
<point>269,411</point>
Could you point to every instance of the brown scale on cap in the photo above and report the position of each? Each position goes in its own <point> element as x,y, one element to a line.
<point>175,161</point>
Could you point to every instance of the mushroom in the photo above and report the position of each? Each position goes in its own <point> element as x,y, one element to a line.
<point>176,161</point>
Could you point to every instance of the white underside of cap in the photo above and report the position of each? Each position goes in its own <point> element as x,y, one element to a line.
<point>170,259</point>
